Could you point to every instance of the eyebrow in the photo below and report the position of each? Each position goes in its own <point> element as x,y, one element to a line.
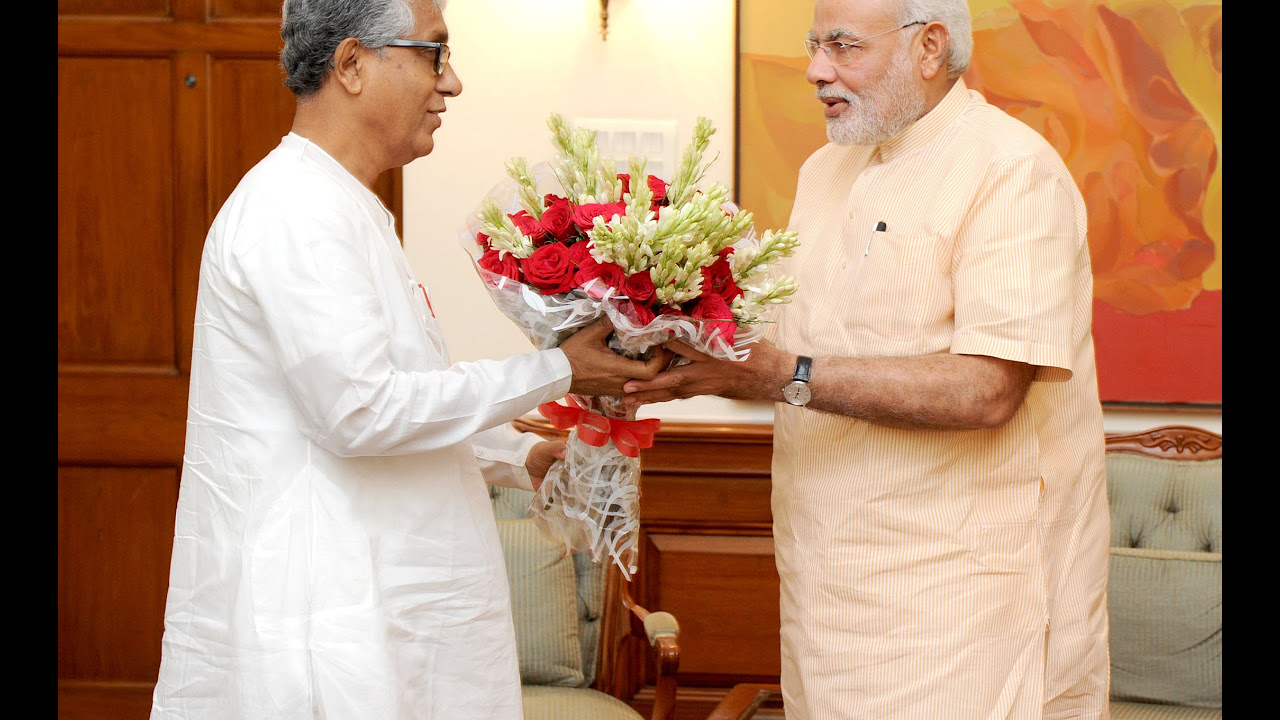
<point>836,34</point>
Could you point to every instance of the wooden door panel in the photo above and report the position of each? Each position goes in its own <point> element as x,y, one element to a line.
<point>723,589</point>
<point>115,536</point>
<point>122,419</point>
<point>115,198</point>
<point>251,110</point>
<point>116,8</point>
<point>258,9</point>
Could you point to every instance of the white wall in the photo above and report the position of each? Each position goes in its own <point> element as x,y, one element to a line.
<point>519,61</point>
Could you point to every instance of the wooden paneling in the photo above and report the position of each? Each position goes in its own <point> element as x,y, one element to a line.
<point>115,229</point>
<point>706,556</point>
<point>257,9</point>
<point>122,419</point>
<point>251,111</point>
<point>115,537</point>
<point>136,8</point>
<point>723,589</point>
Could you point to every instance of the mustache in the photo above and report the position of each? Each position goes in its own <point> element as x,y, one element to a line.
<point>831,93</point>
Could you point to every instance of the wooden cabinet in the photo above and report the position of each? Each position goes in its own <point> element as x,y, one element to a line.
<point>706,555</point>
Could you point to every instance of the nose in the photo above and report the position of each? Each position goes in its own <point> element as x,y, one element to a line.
<point>448,83</point>
<point>820,71</point>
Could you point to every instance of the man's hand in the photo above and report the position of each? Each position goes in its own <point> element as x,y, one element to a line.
<point>540,459</point>
<point>759,377</point>
<point>597,370</point>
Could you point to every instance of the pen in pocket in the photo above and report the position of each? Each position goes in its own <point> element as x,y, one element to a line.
<point>880,227</point>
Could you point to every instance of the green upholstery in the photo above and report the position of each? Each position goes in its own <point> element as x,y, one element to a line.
<point>544,603</point>
<point>1165,504</point>
<point>557,602</point>
<point>1165,587</point>
<point>558,703</point>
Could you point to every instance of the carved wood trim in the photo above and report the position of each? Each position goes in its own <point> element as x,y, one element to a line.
<point>1177,442</point>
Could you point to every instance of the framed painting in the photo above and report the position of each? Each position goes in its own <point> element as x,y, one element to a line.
<point>1129,92</point>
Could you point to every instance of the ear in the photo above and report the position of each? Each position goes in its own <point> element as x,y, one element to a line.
<point>347,60</point>
<point>935,44</point>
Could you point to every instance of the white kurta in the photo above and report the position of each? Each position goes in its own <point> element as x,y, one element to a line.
<point>335,554</point>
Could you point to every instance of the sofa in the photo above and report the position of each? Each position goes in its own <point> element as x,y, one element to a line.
<point>1164,593</point>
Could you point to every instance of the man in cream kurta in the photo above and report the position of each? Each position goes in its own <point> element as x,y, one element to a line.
<point>940,511</point>
<point>335,552</point>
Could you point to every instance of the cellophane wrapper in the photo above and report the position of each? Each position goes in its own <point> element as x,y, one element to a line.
<point>590,501</point>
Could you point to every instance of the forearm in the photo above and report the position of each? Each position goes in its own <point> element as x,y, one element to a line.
<point>937,392</point>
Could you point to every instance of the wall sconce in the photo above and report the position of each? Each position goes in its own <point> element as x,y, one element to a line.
<point>604,19</point>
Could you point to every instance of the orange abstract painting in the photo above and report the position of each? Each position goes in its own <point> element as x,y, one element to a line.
<point>1130,94</point>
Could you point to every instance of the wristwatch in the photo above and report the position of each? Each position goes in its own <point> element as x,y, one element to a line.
<point>797,391</point>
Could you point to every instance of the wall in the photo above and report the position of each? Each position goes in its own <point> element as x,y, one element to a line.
<point>520,61</point>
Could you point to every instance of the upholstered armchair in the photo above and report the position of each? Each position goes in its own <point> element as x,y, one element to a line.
<point>1165,587</point>
<point>576,625</point>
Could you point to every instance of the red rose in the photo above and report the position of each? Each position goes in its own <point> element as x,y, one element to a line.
<point>584,215</point>
<point>557,219</point>
<point>549,269</point>
<point>717,279</point>
<point>580,252</point>
<point>715,314</point>
<point>507,265</point>
<point>530,226</point>
<point>638,313</point>
<point>639,287</point>
<point>626,182</point>
<point>612,275</point>
<point>659,189</point>
<point>482,240</point>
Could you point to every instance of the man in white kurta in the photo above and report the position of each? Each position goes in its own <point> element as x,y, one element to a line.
<point>939,498</point>
<point>335,552</point>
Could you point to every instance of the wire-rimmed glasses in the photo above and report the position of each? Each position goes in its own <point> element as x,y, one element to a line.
<point>839,52</point>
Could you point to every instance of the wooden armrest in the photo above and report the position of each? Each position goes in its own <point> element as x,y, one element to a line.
<point>743,700</point>
<point>661,631</point>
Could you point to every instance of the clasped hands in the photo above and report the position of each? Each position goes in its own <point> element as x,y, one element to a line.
<point>675,370</point>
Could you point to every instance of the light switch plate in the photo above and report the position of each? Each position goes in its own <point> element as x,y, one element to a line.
<point>620,138</point>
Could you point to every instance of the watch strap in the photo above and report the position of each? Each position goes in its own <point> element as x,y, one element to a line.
<point>804,365</point>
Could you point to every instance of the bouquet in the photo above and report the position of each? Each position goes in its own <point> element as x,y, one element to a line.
<point>560,244</point>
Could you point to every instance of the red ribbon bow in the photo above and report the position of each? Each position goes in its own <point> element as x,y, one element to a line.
<point>629,436</point>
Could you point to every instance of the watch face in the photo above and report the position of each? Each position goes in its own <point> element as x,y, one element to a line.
<point>796,393</point>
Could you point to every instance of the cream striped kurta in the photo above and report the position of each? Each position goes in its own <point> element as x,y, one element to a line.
<point>944,574</point>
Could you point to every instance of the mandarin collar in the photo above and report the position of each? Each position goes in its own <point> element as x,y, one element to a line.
<point>927,127</point>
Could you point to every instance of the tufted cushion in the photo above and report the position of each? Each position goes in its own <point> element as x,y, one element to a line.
<point>1165,584</point>
<point>556,703</point>
<point>544,603</point>
<point>1165,504</point>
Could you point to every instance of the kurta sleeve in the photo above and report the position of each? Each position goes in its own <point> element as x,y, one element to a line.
<point>1015,269</point>
<point>314,280</point>
<point>501,452</point>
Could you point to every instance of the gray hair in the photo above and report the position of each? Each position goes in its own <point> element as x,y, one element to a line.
<point>312,30</point>
<point>952,13</point>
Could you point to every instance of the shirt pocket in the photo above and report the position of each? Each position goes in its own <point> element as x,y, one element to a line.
<point>900,295</point>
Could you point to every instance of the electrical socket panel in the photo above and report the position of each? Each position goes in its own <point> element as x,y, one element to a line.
<point>619,139</point>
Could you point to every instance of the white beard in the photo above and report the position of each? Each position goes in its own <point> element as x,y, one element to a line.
<point>880,111</point>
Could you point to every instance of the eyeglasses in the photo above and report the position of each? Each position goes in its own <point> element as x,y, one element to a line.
<point>840,53</point>
<point>442,50</point>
